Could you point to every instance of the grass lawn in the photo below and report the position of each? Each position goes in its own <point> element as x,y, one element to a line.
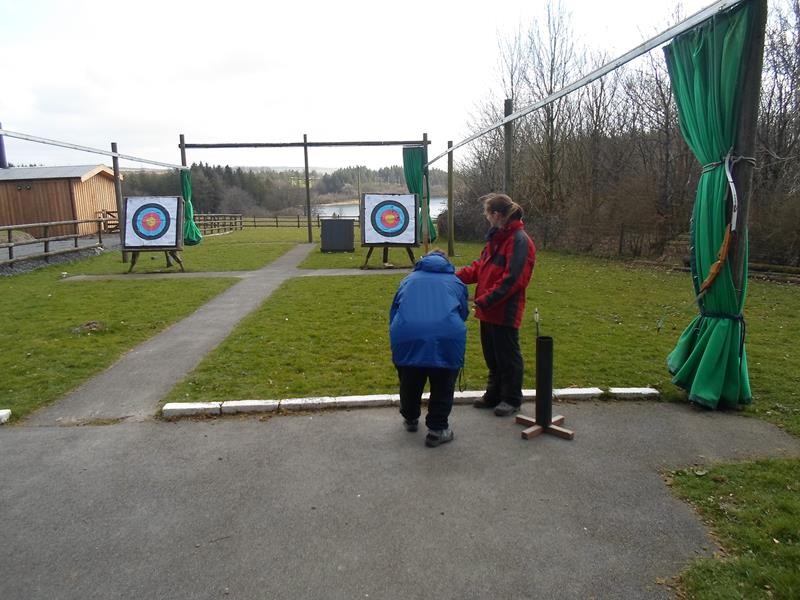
<point>613,324</point>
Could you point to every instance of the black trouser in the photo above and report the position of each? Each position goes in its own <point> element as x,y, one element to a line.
<point>412,383</point>
<point>504,359</point>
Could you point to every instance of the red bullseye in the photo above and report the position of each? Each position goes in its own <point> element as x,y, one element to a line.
<point>390,218</point>
<point>151,221</point>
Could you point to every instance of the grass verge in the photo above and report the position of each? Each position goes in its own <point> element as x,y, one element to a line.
<point>753,510</point>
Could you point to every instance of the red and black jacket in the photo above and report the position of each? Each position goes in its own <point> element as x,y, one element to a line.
<point>502,273</point>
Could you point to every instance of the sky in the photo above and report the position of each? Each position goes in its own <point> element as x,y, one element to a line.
<point>140,73</point>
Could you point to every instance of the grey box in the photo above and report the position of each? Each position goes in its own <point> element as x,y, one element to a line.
<point>336,235</point>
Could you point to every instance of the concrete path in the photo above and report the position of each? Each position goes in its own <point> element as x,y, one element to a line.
<point>348,505</point>
<point>134,385</point>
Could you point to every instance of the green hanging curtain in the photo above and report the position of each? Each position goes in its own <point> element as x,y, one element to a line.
<point>191,233</point>
<point>705,67</point>
<point>417,181</point>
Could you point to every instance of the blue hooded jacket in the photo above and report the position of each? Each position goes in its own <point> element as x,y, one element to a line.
<point>426,321</point>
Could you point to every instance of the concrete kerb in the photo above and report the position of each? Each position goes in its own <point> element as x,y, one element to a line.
<point>173,410</point>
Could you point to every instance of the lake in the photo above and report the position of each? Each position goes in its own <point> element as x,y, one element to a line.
<point>351,209</point>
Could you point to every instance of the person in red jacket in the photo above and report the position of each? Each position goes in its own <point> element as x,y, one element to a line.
<point>502,273</point>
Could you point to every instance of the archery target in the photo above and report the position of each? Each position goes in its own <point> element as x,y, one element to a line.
<point>389,219</point>
<point>152,221</point>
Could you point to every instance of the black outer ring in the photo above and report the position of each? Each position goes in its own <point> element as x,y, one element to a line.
<point>151,236</point>
<point>396,205</point>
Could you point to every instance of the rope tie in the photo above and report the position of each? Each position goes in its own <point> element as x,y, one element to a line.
<point>720,315</point>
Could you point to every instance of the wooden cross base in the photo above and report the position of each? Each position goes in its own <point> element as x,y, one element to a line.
<point>552,429</point>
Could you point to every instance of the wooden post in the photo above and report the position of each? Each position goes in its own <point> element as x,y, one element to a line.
<point>3,162</point>
<point>746,140</point>
<point>308,190</point>
<point>118,194</point>
<point>450,216</point>
<point>508,144</point>
<point>426,234</point>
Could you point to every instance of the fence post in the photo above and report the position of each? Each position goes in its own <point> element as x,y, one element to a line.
<point>118,195</point>
<point>46,242</point>
<point>450,216</point>
<point>308,192</point>
<point>10,247</point>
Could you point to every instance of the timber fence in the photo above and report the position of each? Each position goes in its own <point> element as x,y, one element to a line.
<point>43,231</point>
<point>210,223</point>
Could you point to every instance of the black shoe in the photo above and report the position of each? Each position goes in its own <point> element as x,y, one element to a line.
<point>482,402</point>
<point>411,425</point>
<point>437,437</point>
<point>504,409</point>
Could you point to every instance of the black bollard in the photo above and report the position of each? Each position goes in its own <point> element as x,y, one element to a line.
<point>544,381</point>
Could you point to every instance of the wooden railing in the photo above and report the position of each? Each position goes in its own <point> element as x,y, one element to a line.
<point>110,220</point>
<point>223,223</point>
<point>210,223</point>
<point>6,234</point>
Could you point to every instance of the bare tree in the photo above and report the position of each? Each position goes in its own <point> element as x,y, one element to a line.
<point>775,210</point>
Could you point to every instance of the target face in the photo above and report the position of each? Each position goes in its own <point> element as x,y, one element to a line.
<point>153,222</point>
<point>389,219</point>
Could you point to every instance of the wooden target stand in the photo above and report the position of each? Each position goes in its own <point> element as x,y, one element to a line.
<point>166,211</point>
<point>544,422</point>
<point>386,247</point>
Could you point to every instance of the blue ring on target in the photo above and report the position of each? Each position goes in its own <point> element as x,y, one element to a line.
<point>389,218</point>
<point>150,221</point>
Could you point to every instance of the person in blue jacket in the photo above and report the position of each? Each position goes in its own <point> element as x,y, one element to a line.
<point>428,338</point>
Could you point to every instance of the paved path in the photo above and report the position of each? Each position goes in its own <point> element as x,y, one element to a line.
<point>347,505</point>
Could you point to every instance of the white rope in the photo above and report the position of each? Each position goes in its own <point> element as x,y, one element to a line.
<point>644,48</point>
<point>40,140</point>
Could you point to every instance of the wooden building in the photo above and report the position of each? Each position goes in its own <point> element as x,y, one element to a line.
<point>48,194</point>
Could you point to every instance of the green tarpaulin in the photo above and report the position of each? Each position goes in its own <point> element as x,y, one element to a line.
<point>414,159</point>
<point>706,65</point>
<point>191,233</point>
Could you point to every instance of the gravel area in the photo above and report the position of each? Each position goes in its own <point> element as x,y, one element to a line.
<point>26,265</point>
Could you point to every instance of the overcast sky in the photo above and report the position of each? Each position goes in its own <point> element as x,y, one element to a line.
<point>140,73</point>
